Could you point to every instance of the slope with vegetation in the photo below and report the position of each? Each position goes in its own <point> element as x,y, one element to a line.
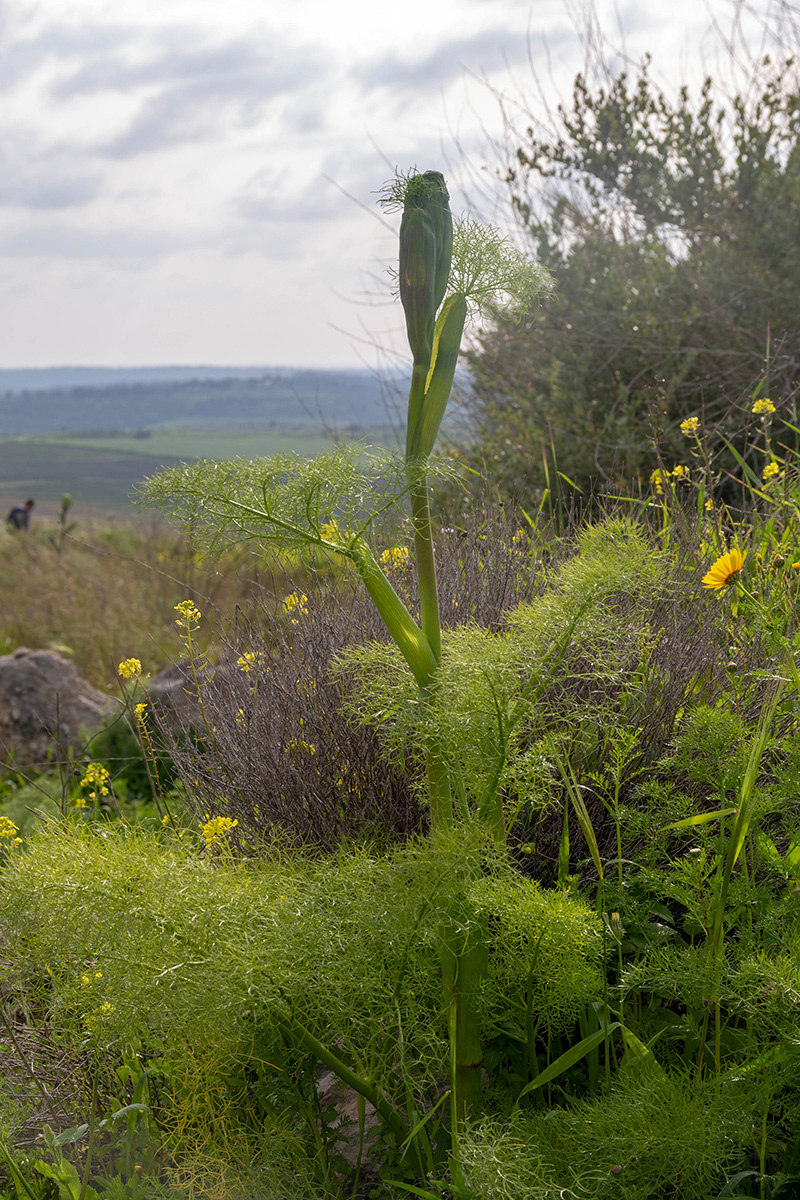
<point>473,867</point>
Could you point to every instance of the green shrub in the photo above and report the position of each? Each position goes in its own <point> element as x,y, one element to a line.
<point>651,1136</point>
<point>199,958</point>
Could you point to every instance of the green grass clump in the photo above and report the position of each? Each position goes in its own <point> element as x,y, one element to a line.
<point>650,1136</point>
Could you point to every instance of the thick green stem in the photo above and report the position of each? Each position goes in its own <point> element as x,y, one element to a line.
<point>296,1033</point>
<point>464,962</point>
<point>416,407</point>
<point>439,791</point>
<point>426,566</point>
<point>410,639</point>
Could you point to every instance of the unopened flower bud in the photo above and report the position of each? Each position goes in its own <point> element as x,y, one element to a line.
<point>426,247</point>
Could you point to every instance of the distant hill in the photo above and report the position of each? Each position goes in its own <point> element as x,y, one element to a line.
<point>94,399</point>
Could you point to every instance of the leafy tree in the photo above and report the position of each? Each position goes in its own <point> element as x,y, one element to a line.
<point>672,231</point>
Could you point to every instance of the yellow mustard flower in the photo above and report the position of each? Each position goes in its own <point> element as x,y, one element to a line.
<point>725,570</point>
<point>771,471</point>
<point>690,426</point>
<point>396,557</point>
<point>7,828</point>
<point>96,777</point>
<point>191,615</point>
<point>215,830</point>
<point>657,479</point>
<point>331,531</point>
<point>296,602</point>
<point>763,407</point>
<point>245,662</point>
<point>129,668</point>
<point>140,712</point>
<point>294,744</point>
<point>680,472</point>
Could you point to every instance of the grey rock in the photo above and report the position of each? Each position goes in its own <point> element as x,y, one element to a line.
<point>45,703</point>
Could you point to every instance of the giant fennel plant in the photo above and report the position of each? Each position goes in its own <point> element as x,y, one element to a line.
<point>447,271</point>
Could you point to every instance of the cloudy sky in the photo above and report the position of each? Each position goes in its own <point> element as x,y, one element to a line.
<point>187,181</point>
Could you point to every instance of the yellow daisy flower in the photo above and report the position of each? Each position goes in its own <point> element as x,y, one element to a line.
<point>724,570</point>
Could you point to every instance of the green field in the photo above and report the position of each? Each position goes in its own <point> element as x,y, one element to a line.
<point>100,473</point>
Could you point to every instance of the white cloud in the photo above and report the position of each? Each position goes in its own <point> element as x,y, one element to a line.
<point>162,162</point>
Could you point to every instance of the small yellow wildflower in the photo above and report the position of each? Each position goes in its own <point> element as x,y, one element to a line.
<point>215,830</point>
<point>690,426</point>
<point>396,558</point>
<point>7,828</point>
<point>96,777</point>
<point>294,744</point>
<point>296,602</point>
<point>190,614</point>
<point>725,570</point>
<point>106,1008</point>
<point>771,470</point>
<point>85,981</point>
<point>657,479</point>
<point>245,662</point>
<point>331,532</point>
<point>80,802</point>
<point>763,407</point>
<point>709,505</point>
<point>129,668</point>
<point>140,712</point>
<point>680,472</point>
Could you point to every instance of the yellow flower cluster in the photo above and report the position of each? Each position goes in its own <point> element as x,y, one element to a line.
<point>331,532</point>
<point>396,558</point>
<point>690,426</point>
<point>7,828</point>
<point>129,668</point>
<point>140,712</point>
<point>215,830</point>
<point>771,471</point>
<point>95,777</point>
<point>659,477</point>
<point>296,602</point>
<point>294,744</point>
<point>763,407</point>
<point>245,662</point>
<point>191,615</point>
